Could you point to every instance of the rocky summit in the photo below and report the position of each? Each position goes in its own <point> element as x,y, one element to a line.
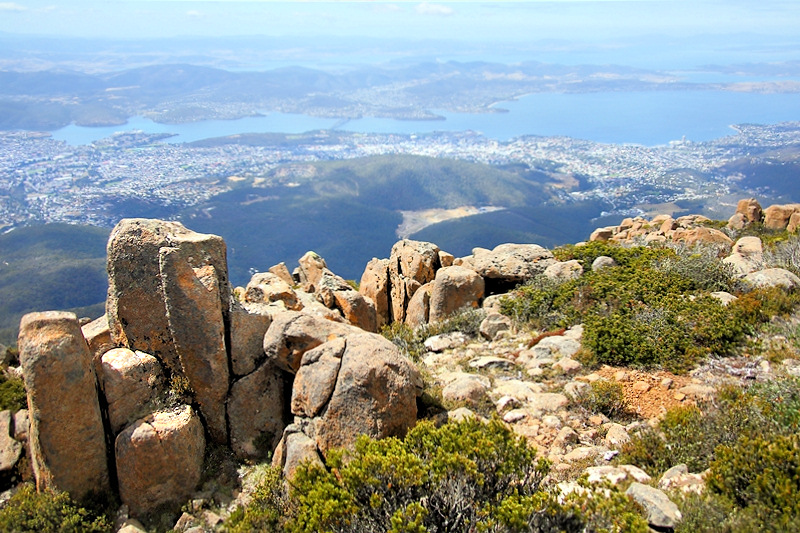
<point>184,367</point>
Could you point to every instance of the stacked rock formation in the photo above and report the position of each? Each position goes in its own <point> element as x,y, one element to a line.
<point>130,401</point>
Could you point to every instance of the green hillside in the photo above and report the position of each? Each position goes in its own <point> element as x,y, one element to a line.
<point>348,211</point>
<point>48,267</point>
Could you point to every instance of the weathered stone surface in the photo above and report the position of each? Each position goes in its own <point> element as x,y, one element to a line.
<point>312,306</point>
<point>296,448</point>
<point>316,379</point>
<point>660,511</point>
<point>557,345</point>
<point>10,449</point>
<point>777,216</point>
<point>445,341</point>
<point>247,329</point>
<point>564,270</point>
<point>266,288</point>
<point>746,256</point>
<point>131,382</point>
<point>22,425</point>
<point>724,297</point>
<point>375,286</point>
<point>616,436</point>
<point>546,402</point>
<point>356,309</point>
<point>750,210</point>
<point>794,223</point>
<point>282,271</point>
<point>98,337</point>
<point>603,261</point>
<point>256,412</point>
<point>310,270</point>
<point>493,324</point>
<point>602,234</point>
<point>159,459</point>
<point>67,441</point>
<point>327,284</point>
<point>375,394</point>
<point>135,306</point>
<point>419,307</point>
<point>192,299</point>
<point>454,288</point>
<point>703,235</point>
<point>467,388</point>
<point>511,262</point>
<point>416,260</point>
<point>773,277</point>
<point>292,334</point>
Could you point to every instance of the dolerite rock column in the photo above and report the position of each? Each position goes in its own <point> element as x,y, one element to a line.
<point>67,440</point>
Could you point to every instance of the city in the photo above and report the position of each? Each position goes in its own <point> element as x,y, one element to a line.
<point>44,180</point>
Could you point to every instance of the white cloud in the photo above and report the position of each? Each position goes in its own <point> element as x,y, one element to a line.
<point>426,8</point>
<point>11,6</point>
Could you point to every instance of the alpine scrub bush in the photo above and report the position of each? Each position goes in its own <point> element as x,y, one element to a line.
<point>411,341</point>
<point>49,512</point>
<point>604,396</point>
<point>466,476</point>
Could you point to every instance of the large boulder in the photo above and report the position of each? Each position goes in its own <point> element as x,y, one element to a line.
<point>777,216</point>
<point>747,211</point>
<point>266,288</point>
<point>248,324</point>
<point>454,288</point>
<point>356,309</point>
<point>746,256</point>
<point>131,382</point>
<point>773,277</point>
<point>256,412</point>
<point>66,436</point>
<point>375,286</point>
<point>292,334</point>
<point>661,512</point>
<point>419,307</point>
<point>374,393</point>
<point>701,235</point>
<point>412,264</point>
<point>135,306</point>
<point>10,448</point>
<point>197,324</point>
<point>159,459</point>
<point>509,264</point>
<point>310,270</point>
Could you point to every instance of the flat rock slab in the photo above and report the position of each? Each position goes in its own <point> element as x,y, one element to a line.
<point>661,511</point>
<point>491,361</point>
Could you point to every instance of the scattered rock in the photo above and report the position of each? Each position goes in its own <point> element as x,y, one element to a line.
<point>445,341</point>
<point>454,288</point>
<point>493,324</point>
<point>773,277</point>
<point>660,510</point>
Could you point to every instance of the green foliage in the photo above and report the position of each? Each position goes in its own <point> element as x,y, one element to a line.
<point>761,475</point>
<point>691,435</point>
<point>466,476</point>
<point>49,512</point>
<point>266,508</point>
<point>651,310</point>
<point>604,396</point>
<point>411,341</point>
<point>12,393</point>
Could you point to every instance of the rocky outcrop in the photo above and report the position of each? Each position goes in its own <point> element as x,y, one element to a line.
<point>375,286</point>
<point>777,217</point>
<point>256,412</point>
<point>192,298</point>
<point>66,436</point>
<point>773,277</point>
<point>454,288</point>
<point>267,288</point>
<point>351,386</point>
<point>507,265</point>
<point>159,459</point>
<point>747,212</point>
<point>746,256</point>
<point>135,306</point>
<point>131,382</point>
<point>412,264</point>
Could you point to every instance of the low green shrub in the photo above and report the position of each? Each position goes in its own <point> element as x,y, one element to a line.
<point>466,476</point>
<point>50,512</point>
<point>604,396</point>
<point>411,340</point>
<point>12,393</point>
<point>691,435</point>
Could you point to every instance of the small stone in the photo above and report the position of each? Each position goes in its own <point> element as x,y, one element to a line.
<point>596,420</point>
<point>506,402</point>
<point>514,416</point>
<point>666,383</point>
<point>641,386</point>
<point>551,421</point>
<point>620,375</point>
<point>568,366</point>
<point>491,361</point>
<point>661,512</point>
<point>447,341</point>
<point>765,366</point>
<point>679,396</point>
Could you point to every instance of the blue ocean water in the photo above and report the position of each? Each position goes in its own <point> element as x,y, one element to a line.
<point>648,118</point>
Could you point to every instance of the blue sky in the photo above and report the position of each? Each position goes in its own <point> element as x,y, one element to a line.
<point>486,21</point>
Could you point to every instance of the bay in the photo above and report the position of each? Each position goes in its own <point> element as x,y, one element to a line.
<point>646,117</point>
